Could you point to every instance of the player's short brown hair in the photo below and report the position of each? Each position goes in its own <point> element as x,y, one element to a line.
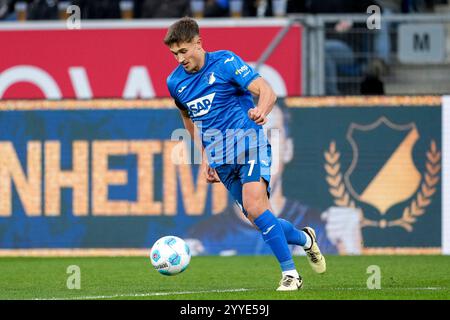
<point>184,30</point>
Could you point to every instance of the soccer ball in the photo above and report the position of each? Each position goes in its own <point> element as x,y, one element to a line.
<point>170,255</point>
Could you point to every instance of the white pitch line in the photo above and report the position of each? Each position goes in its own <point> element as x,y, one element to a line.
<point>141,295</point>
<point>389,288</point>
<point>154,294</point>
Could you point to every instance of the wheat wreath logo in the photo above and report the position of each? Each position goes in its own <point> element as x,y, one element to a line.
<point>383,179</point>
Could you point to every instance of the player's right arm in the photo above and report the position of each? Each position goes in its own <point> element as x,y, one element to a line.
<point>188,124</point>
<point>210,173</point>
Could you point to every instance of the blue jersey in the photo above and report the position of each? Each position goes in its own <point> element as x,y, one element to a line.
<point>217,100</point>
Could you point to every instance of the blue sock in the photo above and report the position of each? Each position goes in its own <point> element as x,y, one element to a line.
<point>293,235</point>
<point>273,235</point>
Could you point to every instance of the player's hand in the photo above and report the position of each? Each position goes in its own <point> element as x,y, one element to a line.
<point>343,228</point>
<point>211,175</point>
<point>257,115</point>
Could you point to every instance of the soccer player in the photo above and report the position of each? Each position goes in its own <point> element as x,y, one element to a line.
<point>214,92</point>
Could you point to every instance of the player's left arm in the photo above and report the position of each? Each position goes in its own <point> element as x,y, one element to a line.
<point>266,99</point>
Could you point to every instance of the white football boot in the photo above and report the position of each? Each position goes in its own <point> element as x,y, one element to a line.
<point>315,258</point>
<point>289,283</point>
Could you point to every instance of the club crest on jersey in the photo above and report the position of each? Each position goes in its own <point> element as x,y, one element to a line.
<point>201,106</point>
<point>211,78</point>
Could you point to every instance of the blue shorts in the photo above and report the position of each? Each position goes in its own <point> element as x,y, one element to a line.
<point>235,175</point>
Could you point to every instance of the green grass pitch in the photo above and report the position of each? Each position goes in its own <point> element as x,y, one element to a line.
<point>228,278</point>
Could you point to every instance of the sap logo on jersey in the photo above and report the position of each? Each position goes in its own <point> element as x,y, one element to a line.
<point>201,106</point>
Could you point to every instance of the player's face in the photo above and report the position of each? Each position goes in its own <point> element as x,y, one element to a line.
<point>188,54</point>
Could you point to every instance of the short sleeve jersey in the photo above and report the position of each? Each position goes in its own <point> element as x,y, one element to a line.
<point>217,100</point>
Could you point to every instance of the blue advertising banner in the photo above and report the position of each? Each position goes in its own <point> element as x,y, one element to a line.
<point>378,156</point>
<point>95,179</point>
<point>101,174</point>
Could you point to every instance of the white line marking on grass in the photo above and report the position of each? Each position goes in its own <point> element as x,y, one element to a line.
<point>154,294</point>
<point>387,288</point>
<point>142,295</point>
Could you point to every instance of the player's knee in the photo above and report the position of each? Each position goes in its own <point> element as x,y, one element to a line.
<point>254,210</point>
